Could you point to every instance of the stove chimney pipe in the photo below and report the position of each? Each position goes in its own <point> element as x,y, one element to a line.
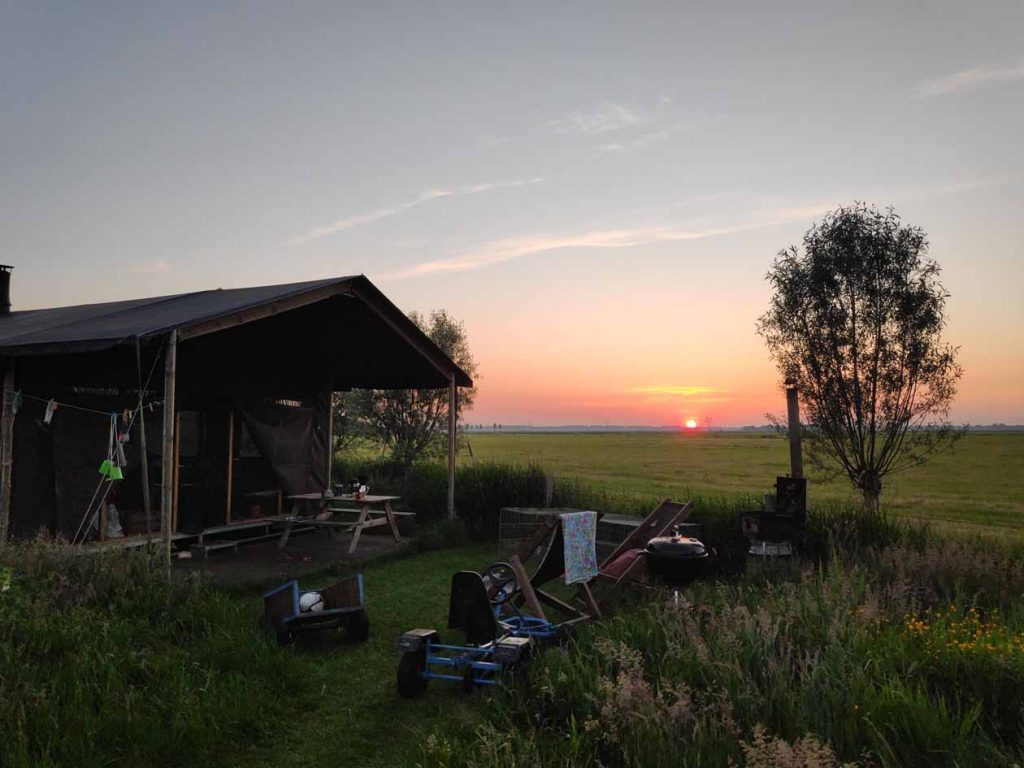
<point>796,459</point>
<point>5,289</point>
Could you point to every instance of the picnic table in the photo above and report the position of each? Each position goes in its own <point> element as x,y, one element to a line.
<point>372,511</point>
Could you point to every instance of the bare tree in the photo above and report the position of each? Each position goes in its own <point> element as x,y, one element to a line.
<point>410,422</point>
<point>856,321</point>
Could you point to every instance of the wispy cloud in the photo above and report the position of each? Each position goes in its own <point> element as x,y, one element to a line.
<point>971,79</point>
<point>349,222</point>
<point>677,390</point>
<point>609,118</point>
<point>642,140</point>
<point>757,216</point>
<point>150,268</point>
<point>498,251</point>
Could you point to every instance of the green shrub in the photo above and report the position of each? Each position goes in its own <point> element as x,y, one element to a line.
<point>480,490</point>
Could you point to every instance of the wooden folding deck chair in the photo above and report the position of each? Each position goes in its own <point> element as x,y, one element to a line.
<point>658,523</point>
<point>551,567</point>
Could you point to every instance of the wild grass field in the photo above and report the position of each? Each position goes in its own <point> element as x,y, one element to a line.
<point>980,483</point>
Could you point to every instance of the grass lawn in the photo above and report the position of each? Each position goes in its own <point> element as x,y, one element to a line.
<point>980,483</point>
<point>352,715</point>
<point>133,671</point>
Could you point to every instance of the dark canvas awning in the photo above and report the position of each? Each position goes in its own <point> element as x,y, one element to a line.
<point>325,307</point>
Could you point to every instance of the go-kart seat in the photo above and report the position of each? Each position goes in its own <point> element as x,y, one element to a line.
<point>470,610</point>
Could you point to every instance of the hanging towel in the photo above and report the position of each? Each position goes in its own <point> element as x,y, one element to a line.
<point>50,408</point>
<point>580,533</point>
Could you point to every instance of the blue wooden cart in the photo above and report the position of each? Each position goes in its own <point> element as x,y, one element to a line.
<point>344,609</point>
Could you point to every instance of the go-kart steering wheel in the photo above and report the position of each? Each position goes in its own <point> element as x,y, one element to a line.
<point>503,585</point>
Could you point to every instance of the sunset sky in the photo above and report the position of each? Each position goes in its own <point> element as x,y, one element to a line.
<point>597,190</point>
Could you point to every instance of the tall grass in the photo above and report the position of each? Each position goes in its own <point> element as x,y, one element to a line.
<point>102,662</point>
<point>888,662</point>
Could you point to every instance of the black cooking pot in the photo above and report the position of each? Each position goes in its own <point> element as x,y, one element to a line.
<point>676,560</point>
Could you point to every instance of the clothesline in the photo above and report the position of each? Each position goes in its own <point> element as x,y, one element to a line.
<point>106,414</point>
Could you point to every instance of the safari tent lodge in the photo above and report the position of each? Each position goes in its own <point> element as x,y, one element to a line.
<point>191,411</point>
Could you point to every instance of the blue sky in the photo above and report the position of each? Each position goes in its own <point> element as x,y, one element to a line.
<point>597,190</point>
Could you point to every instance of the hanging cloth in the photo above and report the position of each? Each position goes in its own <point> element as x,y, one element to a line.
<point>580,536</point>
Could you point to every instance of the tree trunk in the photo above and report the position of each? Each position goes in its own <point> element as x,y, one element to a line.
<point>871,487</point>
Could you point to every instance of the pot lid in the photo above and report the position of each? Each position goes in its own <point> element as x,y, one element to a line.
<point>677,546</point>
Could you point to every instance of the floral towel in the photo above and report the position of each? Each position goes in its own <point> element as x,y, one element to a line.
<point>580,530</point>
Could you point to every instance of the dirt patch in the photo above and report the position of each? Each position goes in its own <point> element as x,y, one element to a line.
<point>263,563</point>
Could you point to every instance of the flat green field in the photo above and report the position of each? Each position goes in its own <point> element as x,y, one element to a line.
<point>980,483</point>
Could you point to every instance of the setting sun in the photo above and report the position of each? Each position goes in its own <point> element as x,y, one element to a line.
<point>691,423</point>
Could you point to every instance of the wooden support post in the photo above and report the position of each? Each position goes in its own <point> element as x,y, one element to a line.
<point>330,440</point>
<point>796,459</point>
<point>147,507</point>
<point>6,451</point>
<point>453,417</point>
<point>168,470</point>
<point>177,472</point>
<point>231,461</point>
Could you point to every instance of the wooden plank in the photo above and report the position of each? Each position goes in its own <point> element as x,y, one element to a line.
<point>358,530</point>
<point>6,451</point>
<point>231,460</point>
<point>554,602</point>
<point>588,599</point>
<point>167,480</point>
<point>453,417</point>
<point>523,581</point>
<point>244,316</point>
<point>389,516</point>
<point>527,548</point>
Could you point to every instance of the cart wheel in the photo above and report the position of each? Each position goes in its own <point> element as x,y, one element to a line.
<point>520,668</point>
<point>411,666</point>
<point>357,627</point>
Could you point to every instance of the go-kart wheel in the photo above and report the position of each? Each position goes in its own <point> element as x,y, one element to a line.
<point>411,666</point>
<point>357,627</point>
<point>520,668</point>
<point>284,637</point>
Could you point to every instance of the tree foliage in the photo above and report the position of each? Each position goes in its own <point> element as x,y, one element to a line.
<point>409,422</point>
<point>856,322</point>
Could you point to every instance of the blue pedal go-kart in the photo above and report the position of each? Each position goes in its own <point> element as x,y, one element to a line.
<point>344,607</point>
<point>499,638</point>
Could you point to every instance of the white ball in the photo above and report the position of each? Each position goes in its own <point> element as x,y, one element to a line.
<point>311,602</point>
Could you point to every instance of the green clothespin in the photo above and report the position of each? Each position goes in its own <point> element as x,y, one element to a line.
<point>110,470</point>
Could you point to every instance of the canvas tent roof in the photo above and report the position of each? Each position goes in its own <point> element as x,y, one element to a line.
<point>96,327</point>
